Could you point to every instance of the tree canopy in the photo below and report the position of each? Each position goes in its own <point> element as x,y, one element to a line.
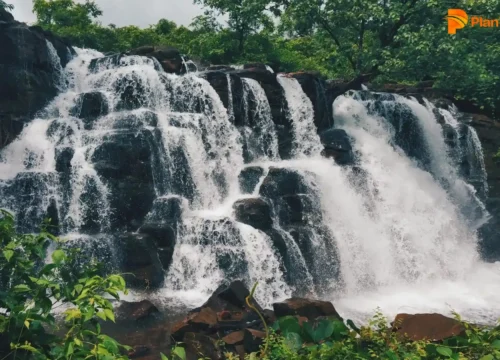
<point>390,40</point>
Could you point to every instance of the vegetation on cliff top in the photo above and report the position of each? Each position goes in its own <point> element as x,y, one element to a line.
<point>402,41</point>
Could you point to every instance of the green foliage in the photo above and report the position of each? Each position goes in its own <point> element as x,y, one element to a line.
<point>332,339</point>
<point>4,5</point>
<point>31,290</point>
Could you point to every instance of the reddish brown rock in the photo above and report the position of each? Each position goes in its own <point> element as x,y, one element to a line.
<point>234,338</point>
<point>198,322</point>
<point>139,351</point>
<point>433,327</point>
<point>310,309</point>
<point>201,346</point>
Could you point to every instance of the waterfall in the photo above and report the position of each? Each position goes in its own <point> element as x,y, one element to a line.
<point>126,148</point>
<point>306,141</point>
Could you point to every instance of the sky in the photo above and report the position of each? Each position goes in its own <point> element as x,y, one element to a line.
<point>127,12</point>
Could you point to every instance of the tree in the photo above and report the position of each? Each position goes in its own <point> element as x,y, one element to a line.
<point>245,17</point>
<point>4,5</point>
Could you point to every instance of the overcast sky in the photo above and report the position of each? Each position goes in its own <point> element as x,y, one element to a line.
<point>127,12</point>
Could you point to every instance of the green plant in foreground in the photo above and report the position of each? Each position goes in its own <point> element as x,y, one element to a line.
<point>31,291</point>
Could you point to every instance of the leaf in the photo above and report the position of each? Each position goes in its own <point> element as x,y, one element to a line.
<point>109,314</point>
<point>28,347</point>
<point>293,341</point>
<point>487,357</point>
<point>21,288</point>
<point>69,350</point>
<point>445,351</point>
<point>58,256</point>
<point>179,352</point>
<point>496,344</point>
<point>27,324</point>
<point>101,315</point>
<point>8,254</point>
<point>390,355</point>
<point>289,324</point>
<point>163,356</point>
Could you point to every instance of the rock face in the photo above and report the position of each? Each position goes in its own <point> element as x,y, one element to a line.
<point>29,73</point>
<point>433,327</point>
<point>170,58</point>
<point>337,146</point>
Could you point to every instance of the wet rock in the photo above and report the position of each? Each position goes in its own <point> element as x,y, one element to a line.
<point>136,120</point>
<point>28,77</point>
<point>295,209</point>
<point>311,309</point>
<point>253,339</point>
<point>136,310</point>
<point>126,161</point>
<point>259,66</point>
<point>219,68</point>
<point>281,182</point>
<point>169,57</point>
<point>140,261</point>
<point>249,178</point>
<point>89,107</point>
<point>63,159</point>
<point>337,145</point>
<point>433,327</point>
<point>255,212</point>
<point>220,82</point>
<point>315,89</point>
<point>106,62</point>
<point>161,224</point>
<point>230,297</point>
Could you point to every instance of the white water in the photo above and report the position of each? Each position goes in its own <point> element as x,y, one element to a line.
<point>400,235</point>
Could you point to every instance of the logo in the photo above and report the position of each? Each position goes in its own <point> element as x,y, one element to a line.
<point>457,19</point>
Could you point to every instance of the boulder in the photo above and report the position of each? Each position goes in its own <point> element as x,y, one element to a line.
<point>234,338</point>
<point>29,74</point>
<point>64,156</point>
<point>432,327</point>
<point>249,178</point>
<point>136,311</point>
<point>140,261</point>
<point>310,309</point>
<point>281,182</point>
<point>295,209</point>
<point>139,351</point>
<point>169,57</point>
<point>89,107</point>
<point>315,89</point>
<point>255,212</point>
<point>230,297</point>
<point>196,344</point>
<point>220,81</point>
<point>126,160</point>
<point>337,145</point>
<point>253,340</point>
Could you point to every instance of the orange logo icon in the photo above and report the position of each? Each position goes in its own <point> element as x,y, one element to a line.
<point>457,19</point>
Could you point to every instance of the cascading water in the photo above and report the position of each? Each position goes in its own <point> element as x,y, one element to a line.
<point>126,148</point>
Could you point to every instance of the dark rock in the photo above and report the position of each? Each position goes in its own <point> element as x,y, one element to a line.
<point>281,182</point>
<point>255,212</point>
<point>230,297</point>
<point>311,309</point>
<point>431,327</point>
<point>196,344</point>
<point>259,66</point>
<point>139,351</point>
<point>135,120</point>
<point>89,107</point>
<point>136,310</point>
<point>253,339</point>
<point>315,89</point>
<point>295,209</point>
<point>220,82</point>
<point>28,77</point>
<point>169,57</point>
<point>161,224</point>
<point>126,160</point>
<point>278,104</point>
<point>140,261</point>
<point>249,178</point>
<point>337,145</point>
<point>63,159</point>
<point>5,15</point>
<point>99,64</point>
<point>219,68</point>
